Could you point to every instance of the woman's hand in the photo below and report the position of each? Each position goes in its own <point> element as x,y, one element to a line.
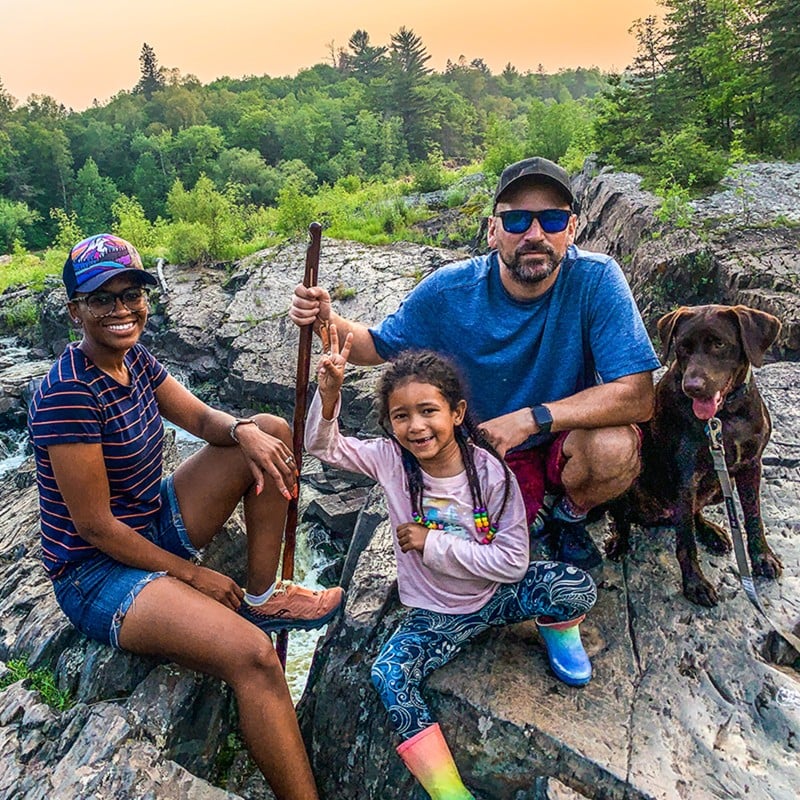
<point>216,585</point>
<point>330,371</point>
<point>412,536</point>
<point>267,455</point>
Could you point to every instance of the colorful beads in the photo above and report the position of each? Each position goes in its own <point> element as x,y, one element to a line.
<point>482,524</point>
<point>428,523</point>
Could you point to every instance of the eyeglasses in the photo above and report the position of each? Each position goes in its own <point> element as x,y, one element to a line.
<point>518,220</point>
<point>103,304</point>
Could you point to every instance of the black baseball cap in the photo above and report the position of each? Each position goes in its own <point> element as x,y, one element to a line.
<point>537,170</point>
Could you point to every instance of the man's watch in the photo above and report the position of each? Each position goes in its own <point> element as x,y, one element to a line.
<point>236,423</point>
<point>542,417</point>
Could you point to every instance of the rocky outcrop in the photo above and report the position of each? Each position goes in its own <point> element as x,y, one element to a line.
<point>231,334</point>
<point>686,702</point>
<point>741,245</point>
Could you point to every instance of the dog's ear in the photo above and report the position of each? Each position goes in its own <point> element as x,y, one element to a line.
<point>667,326</point>
<point>758,330</point>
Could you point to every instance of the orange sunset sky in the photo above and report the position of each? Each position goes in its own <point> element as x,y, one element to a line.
<point>81,50</point>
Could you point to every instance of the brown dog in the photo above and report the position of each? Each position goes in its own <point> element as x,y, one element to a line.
<point>710,376</point>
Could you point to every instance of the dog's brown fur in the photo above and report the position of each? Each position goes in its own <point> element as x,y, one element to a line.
<point>714,348</point>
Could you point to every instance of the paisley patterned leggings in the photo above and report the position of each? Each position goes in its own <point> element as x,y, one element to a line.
<point>426,640</point>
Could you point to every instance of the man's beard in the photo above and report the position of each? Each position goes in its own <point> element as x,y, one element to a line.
<point>526,273</point>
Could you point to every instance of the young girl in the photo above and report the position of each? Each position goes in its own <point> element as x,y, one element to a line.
<point>461,542</point>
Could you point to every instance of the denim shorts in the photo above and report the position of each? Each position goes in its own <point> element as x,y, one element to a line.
<point>95,594</point>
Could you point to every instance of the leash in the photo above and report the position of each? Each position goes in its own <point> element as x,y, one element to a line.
<point>717,448</point>
<point>299,423</point>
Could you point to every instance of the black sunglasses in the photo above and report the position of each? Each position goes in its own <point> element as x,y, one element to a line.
<point>103,304</point>
<point>518,220</point>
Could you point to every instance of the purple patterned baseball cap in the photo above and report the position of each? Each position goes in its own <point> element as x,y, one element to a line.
<point>98,259</point>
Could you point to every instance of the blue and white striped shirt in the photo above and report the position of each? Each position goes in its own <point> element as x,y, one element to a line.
<point>78,402</point>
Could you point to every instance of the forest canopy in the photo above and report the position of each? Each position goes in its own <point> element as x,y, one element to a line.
<point>209,171</point>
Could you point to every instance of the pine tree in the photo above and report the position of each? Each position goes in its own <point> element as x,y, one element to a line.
<point>364,60</point>
<point>151,79</point>
<point>408,77</point>
<point>782,55</point>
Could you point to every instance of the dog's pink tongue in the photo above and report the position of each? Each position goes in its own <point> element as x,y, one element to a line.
<point>705,409</point>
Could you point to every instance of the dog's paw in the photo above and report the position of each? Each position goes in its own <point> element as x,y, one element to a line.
<point>615,546</point>
<point>714,538</point>
<point>766,565</point>
<point>698,590</point>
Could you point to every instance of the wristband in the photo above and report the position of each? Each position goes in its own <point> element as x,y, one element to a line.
<point>237,423</point>
<point>542,417</point>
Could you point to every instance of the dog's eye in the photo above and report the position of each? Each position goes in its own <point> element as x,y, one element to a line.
<point>717,344</point>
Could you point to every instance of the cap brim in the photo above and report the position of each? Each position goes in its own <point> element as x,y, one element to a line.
<point>96,281</point>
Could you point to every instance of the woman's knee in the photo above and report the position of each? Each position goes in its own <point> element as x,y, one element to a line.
<point>254,659</point>
<point>275,426</point>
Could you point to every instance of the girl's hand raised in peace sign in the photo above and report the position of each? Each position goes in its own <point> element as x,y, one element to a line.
<point>330,372</point>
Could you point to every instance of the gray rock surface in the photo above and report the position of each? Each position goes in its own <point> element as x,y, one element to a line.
<point>686,702</point>
<point>748,254</point>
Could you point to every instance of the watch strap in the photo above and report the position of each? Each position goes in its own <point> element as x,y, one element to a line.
<point>542,417</point>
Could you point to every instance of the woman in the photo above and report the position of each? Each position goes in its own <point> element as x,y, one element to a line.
<point>119,541</point>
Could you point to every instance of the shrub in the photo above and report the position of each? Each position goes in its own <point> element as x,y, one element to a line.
<point>295,210</point>
<point>188,243</point>
<point>429,175</point>
<point>131,223</point>
<point>683,157</point>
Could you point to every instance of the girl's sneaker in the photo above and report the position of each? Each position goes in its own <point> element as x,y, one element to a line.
<point>292,606</point>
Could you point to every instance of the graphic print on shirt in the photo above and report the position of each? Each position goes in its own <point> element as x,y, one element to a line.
<point>449,516</point>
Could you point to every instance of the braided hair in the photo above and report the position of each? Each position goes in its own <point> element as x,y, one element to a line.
<point>425,366</point>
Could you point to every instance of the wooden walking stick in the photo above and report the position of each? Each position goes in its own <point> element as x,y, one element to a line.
<point>299,423</point>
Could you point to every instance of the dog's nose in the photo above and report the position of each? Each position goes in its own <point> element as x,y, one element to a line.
<point>694,385</point>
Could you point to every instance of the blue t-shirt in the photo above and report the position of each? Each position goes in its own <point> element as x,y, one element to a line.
<point>585,330</point>
<point>78,402</point>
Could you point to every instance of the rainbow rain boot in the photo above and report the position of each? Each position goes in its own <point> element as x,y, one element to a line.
<point>565,652</point>
<point>429,760</point>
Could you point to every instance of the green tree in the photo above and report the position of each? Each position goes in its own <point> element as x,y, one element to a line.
<point>258,182</point>
<point>194,151</point>
<point>410,98</point>
<point>131,223</point>
<point>15,219</point>
<point>150,79</point>
<point>40,172</point>
<point>552,127</point>
<point>782,74</point>
<point>206,208</point>
<point>94,196</point>
<point>363,59</point>
<point>7,103</point>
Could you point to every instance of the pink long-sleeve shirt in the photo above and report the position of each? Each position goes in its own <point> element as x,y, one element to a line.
<point>455,574</point>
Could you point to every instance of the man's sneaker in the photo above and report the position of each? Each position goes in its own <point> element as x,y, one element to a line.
<point>543,543</point>
<point>574,545</point>
<point>291,606</point>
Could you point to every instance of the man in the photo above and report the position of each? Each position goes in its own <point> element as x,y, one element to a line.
<point>551,345</point>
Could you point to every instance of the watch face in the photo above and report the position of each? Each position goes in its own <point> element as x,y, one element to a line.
<point>544,419</point>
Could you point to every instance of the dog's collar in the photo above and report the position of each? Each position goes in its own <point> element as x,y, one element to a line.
<point>742,388</point>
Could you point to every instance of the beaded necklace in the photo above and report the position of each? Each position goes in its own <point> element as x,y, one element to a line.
<point>482,524</point>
